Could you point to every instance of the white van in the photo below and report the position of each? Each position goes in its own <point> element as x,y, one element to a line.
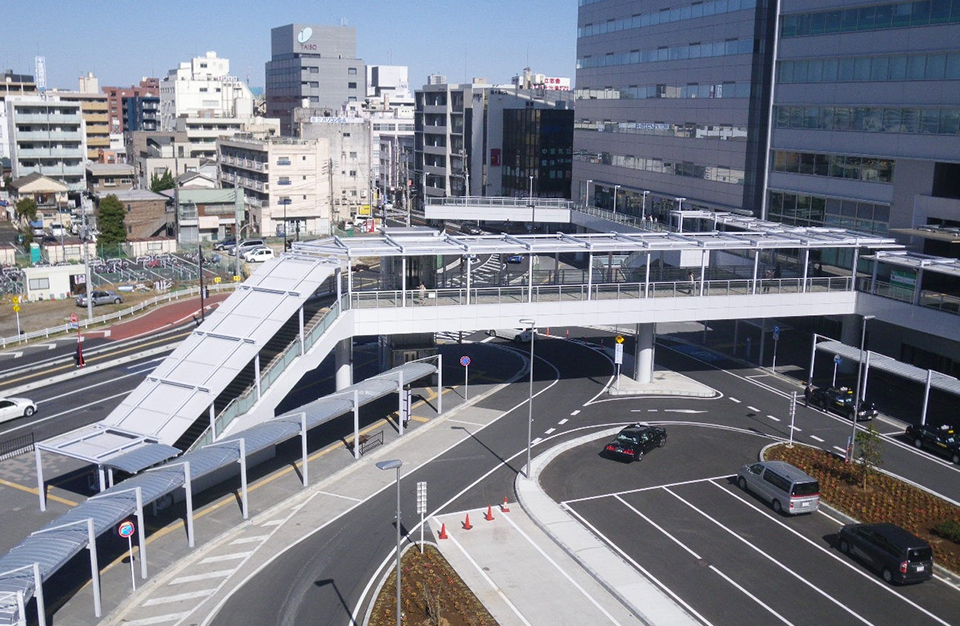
<point>520,335</point>
<point>787,488</point>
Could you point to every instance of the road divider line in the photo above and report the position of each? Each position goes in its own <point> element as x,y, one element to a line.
<point>797,428</point>
<point>227,557</point>
<point>575,413</point>
<point>617,494</point>
<point>815,438</point>
<point>562,422</point>
<point>179,597</point>
<point>753,408</point>
<point>839,449</point>
<point>660,528</point>
<point>776,419</point>
<point>192,578</point>
<point>751,596</point>
<point>734,400</point>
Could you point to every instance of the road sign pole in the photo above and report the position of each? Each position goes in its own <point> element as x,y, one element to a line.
<point>776,340</point>
<point>793,416</point>
<point>133,577</point>
<point>466,382</point>
<point>836,363</point>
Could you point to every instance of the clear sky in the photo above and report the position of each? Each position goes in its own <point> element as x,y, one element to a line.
<point>121,41</point>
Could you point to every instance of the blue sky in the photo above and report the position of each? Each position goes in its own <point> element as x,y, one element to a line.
<point>122,40</point>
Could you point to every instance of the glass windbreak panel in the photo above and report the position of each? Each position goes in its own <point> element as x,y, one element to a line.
<point>879,67</point>
<point>847,67</point>
<point>898,68</point>
<point>837,163</point>
<point>811,117</point>
<point>826,117</point>
<point>909,120</point>
<point>861,69</point>
<point>916,66</point>
<point>830,68</point>
<point>843,118</point>
<point>936,65</point>
<point>949,121</point>
<point>930,121</point>
<point>891,120</point>
<point>952,71</point>
<point>852,167</point>
<point>868,170</point>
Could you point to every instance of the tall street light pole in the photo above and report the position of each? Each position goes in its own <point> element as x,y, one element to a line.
<point>533,208</point>
<point>389,465</point>
<point>643,206</point>
<point>532,324</point>
<point>616,192</point>
<point>856,400</point>
<point>586,198</point>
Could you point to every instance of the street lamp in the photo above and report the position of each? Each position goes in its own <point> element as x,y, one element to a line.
<point>856,399</point>
<point>285,202</point>
<point>643,206</point>
<point>586,198</point>
<point>616,190</point>
<point>532,324</point>
<point>680,213</point>
<point>389,465</point>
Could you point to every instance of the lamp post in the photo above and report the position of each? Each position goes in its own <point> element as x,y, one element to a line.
<point>203,316</point>
<point>643,206</point>
<point>533,209</point>
<point>532,324</point>
<point>680,214</point>
<point>389,465</point>
<point>586,198</point>
<point>285,202</point>
<point>616,191</point>
<point>856,399</point>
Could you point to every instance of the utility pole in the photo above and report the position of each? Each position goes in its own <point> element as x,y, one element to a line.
<point>84,237</point>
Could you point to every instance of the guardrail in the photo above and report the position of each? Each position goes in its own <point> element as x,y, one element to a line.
<point>108,317</point>
<point>15,446</point>
<point>948,303</point>
<point>244,402</point>
<point>521,202</point>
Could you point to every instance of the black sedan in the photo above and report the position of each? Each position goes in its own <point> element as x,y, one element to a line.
<point>634,441</point>
<point>840,401</point>
<point>940,439</point>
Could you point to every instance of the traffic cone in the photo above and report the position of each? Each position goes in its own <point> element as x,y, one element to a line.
<point>548,331</point>
<point>489,515</point>
<point>466,523</point>
<point>568,333</point>
<point>504,507</point>
<point>443,532</point>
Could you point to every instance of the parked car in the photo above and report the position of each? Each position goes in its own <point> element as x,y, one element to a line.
<point>839,400</point>
<point>57,230</point>
<point>634,441</point>
<point>515,258</point>
<point>226,244</point>
<point>787,488</point>
<point>100,297</point>
<point>12,408</point>
<point>258,255</point>
<point>248,244</point>
<point>471,229</point>
<point>898,555</point>
<point>940,439</point>
<point>518,335</point>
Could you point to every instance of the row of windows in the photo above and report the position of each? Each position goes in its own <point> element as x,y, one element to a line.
<point>871,119</point>
<point>715,173</point>
<point>393,127</point>
<point>872,169</point>
<point>670,53</point>
<point>666,16</point>
<point>883,68</point>
<point>805,210</point>
<point>692,90</point>
<point>688,130</point>
<point>874,17</point>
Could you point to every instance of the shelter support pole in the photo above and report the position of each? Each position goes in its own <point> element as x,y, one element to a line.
<point>21,609</point>
<point>343,356</point>
<point>736,336</point>
<point>439,384</point>
<point>38,594</point>
<point>356,424</point>
<point>530,277</point>
<point>403,280</point>
<point>101,478</point>
<point>300,312</point>
<point>589,275</point>
<point>110,477</point>
<point>94,567</point>
<point>400,404</point>
<point>756,269</point>
<point>243,477</point>
<point>866,375</point>
<point>213,422</point>
<point>849,335</point>
<point>646,281</point>
<point>304,475</point>
<point>188,485</point>
<point>256,373</point>
<point>806,268</point>
<point>703,273</point>
<point>763,339</point>
<point>926,398</point>
<point>644,356</point>
<point>41,488</point>
<point>142,534</point>
<point>813,357</point>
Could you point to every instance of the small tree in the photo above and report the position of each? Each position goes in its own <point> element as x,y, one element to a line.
<point>158,184</point>
<point>26,209</point>
<point>869,454</point>
<point>110,216</point>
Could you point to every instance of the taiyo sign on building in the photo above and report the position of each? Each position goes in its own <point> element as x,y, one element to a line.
<point>303,39</point>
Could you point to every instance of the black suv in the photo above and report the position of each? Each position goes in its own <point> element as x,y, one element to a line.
<point>899,556</point>
<point>840,401</point>
<point>633,441</point>
<point>940,439</point>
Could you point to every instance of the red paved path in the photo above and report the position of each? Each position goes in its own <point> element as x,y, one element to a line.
<point>165,316</point>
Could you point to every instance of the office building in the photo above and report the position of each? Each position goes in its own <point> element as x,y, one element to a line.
<point>388,86</point>
<point>867,120</point>
<point>672,101</point>
<point>391,155</point>
<point>148,87</point>
<point>351,179</point>
<point>313,67</point>
<point>203,87</point>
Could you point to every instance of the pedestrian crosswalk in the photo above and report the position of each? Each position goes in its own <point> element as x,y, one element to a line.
<point>483,272</point>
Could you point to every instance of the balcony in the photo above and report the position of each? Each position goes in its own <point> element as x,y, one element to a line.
<point>41,118</point>
<point>50,153</point>
<point>42,135</point>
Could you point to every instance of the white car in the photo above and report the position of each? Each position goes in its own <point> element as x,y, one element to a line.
<point>12,408</point>
<point>258,255</point>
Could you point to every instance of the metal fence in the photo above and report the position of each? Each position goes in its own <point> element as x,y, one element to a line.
<point>16,446</point>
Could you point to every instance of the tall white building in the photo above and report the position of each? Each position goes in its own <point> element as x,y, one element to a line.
<point>203,87</point>
<point>47,136</point>
<point>351,178</point>
<point>388,86</point>
<point>392,143</point>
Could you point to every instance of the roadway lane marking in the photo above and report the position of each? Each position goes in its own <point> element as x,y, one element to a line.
<point>797,428</point>
<point>178,597</point>
<point>771,559</point>
<point>273,522</point>
<point>751,596</point>
<point>815,438</point>
<point>549,431</point>
<point>493,586</point>
<point>562,422</point>
<point>536,441</point>
<point>15,355</point>
<point>198,577</point>
<point>225,557</point>
<point>575,413</point>
<point>158,619</point>
<point>243,540</point>
<point>839,449</point>
<point>734,400</point>
<point>33,490</point>
<point>464,422</point>
<point>561,570</point>
<point>62,413</point>
<point>660,528</point>
<point>337,495</point>
<point>839,559</point>
<point>616,494</point>
<point>157,360</point>
<point>753,408</point>
<point>693,411</point>
<point>106,382</point>
<point>776,419</point>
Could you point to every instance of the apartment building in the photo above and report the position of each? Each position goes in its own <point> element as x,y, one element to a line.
<point>286,183</point>
<point>141,113</point>
<point>148,87</point>
<point>203,87</point>
<point>94,109</point>
<point>12,85</point>
<point>47,136</point>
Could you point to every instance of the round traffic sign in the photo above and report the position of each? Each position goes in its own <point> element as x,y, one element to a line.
<point>73,318</point>
<point>126,529</point>
<point>837,359</point>
<point>16,308</point>
<point>464,360</point>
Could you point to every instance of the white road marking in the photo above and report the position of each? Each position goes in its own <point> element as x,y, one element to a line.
<point>642,489</point>
<point>536,441</point>
<point>225,557</point>
<point>751,596</point>
<point>178,597</point>
<point>463,422</point>
<point>734,400</point>
<point>273,522</point>
<point>157,360</point>
<point>243,540</point>
<point>815,438</point>
<point>198,577</point>
<point>562,422</point>
<point>682,411</point>
<point>157,619</point>
<point>753,408</point>
<point>771,559</point>
<point>61,413</point>
<point>15,355</point>
<point>776,419</point>
<point>337,495</point>
<point>797,428</point>
<point>660,528</point>
<point>839,449</point>
<point>652,410</point>
<point>549,431</point>
<point>575,413</point>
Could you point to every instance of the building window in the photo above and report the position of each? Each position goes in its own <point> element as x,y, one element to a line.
<point>351,85</point>
<point>39,283</point>
<point>352,71</point>
<point>353,173</point>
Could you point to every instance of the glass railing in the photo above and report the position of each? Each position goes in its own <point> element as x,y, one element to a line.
<point>948,303</point>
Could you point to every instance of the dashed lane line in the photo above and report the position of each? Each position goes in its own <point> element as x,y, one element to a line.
<point>734,400</point>
<point>225,557</point>
<point>753,408</point>
<point>815,438</point>
<point>776,419</point>
<point>562,422</point>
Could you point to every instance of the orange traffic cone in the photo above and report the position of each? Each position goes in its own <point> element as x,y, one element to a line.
<point>466,523</point>
<point>489,515</point>
<point>548,331</point>
<point>504,507</point>
<point>568,333</point>
<point>443,532</point>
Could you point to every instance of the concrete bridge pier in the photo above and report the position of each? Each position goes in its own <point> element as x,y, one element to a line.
<point>343,365</point>
<point>643,359</point>
<point>850,335</point>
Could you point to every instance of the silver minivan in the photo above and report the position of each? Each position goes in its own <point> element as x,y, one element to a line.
<point>785,487</point>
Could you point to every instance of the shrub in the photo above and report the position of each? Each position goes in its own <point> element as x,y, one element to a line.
<point>949,529</point>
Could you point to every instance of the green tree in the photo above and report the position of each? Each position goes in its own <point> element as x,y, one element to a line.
<point>158,184</point>
<point>869,454</point>
<point>27,209</point>
<point>110,216</point>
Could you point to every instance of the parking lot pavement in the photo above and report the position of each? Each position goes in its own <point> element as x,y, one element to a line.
<point>519,574</point>
<point>726,554</point>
